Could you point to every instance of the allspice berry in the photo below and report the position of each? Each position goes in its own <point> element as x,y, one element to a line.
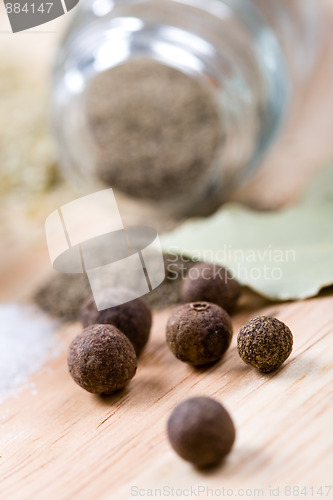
<point>199,333</point>
<point>211,283</point>
<point>265,343</point>
<point>201,431</point>
<point>133,317</point>
<point>101,359</point>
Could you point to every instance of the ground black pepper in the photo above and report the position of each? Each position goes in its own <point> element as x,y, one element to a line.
<point>201,431</point>
<point>63,294</point>
<point>101,359</point>
<point>155,129</point>
<point>199,333</point>
<point>133,317</point>
<point>265,343</point>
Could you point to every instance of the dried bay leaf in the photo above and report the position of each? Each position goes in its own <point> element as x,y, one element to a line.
<point>286,254</point>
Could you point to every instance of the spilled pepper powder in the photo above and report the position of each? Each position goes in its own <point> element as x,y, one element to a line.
<point>63,295</point>
<point>155,129</point>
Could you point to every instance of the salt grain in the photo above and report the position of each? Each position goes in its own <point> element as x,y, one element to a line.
<point>27,340</point>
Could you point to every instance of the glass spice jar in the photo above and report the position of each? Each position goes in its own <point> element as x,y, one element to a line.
<point>175,102</point>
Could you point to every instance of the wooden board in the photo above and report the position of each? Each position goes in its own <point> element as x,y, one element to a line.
<point>64,443</point>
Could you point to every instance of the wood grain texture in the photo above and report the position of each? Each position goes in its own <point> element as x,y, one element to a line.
<point>65,443</point>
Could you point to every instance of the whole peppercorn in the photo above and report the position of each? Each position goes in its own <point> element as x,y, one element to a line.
<point>265,343</point>
<point>211,283</point>
<point>201,431</point>
<point>101,359</point>
<point>199,333</point>
<point>133,317</point>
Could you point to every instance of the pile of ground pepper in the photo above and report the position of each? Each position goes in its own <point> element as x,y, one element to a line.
<point>63,295</point>
<point>155,129</point>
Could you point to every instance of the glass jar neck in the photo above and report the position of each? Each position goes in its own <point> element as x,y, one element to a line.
<point>234,47</point>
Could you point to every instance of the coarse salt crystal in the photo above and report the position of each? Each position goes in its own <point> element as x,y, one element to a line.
<point>27,340</point>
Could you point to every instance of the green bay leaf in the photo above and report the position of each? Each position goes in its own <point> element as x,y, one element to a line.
<point>286,254</point>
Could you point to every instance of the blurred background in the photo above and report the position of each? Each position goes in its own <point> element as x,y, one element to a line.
<point>32,185</point>
<point>284,427</point>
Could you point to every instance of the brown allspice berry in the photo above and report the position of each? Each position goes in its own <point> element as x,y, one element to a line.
<point>133,317</point>
<point>201,431</point>
<point>211,283</point>
<point>199,333</point>
<point>101,359</point>
<point>265,343</point>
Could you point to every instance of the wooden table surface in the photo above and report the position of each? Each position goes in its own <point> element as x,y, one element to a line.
<point>64,443</point>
